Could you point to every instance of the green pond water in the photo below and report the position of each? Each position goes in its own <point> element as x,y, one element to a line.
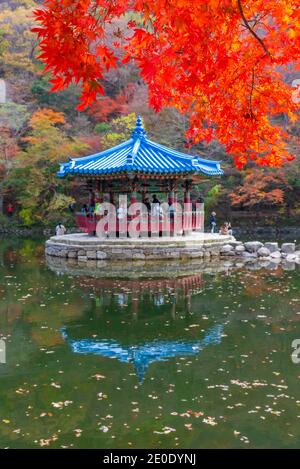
<point>202,361</point>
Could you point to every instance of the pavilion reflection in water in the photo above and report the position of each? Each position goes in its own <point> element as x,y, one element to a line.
<point>141,356</point>
<point>130,293</point>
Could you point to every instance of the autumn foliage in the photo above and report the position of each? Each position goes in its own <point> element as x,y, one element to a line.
<point>219,61</point>
<point>105,108</point>
<point>260,189</point>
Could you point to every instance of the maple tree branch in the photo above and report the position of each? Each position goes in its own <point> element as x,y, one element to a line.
<point>251,94</point>
<point>246,23</point>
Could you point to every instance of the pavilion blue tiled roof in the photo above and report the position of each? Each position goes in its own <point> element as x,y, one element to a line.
<point>140,155</point>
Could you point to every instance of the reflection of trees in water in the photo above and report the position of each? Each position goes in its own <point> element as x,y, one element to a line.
<point>9,313</point>
<point>25,283</point>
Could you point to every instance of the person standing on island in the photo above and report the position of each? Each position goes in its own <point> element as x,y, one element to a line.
<point>60,229</point>
<point>155,199</point>
<point>10,210</point>
<point>147,204</point>
<point>213,221</point>
<point>224,230</point>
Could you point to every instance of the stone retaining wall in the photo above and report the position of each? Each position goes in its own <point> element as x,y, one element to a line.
<point>118,253</point>
<point>85,249</point>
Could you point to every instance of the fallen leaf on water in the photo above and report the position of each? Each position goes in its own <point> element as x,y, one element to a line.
<point>104,429</point>
<point>210,421</point>
<point>189,426</point>
<point>60,405</point>
<point>165,431</point>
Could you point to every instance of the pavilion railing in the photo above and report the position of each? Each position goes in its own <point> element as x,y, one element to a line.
<point>139,223</point>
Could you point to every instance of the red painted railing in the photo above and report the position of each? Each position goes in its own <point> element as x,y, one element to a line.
<point>189,221</point>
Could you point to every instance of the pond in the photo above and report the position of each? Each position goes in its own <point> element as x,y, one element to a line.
<point>199,361</point>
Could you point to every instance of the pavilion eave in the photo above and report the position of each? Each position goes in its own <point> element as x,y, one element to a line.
<point>140,157</point>
<point>136,174</point>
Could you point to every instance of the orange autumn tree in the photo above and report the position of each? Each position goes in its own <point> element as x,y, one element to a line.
<point>260,188</point>
<point>103,109</point>
<point>221,62</point>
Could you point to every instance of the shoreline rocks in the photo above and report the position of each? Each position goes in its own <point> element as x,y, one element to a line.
<point>271,252</point>
<point>253,246</point>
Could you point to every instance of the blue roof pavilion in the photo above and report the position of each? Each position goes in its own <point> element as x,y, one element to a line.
<point>141,157</point>
<point>140,168</point>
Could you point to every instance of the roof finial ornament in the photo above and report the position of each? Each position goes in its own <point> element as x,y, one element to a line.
<point>139,131</point>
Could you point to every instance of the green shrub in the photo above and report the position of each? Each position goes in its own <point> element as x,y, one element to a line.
<point>26,216</point>
<point>101,127</point>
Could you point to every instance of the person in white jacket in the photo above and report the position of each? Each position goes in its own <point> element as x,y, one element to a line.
<point>60,229</point>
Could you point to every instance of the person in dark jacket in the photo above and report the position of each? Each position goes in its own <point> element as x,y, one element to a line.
<point>155,199</point>
<point>147,204</point>
<point>213,222</point>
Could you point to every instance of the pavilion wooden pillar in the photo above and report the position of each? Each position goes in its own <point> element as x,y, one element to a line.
<point>98,203</point>
<point>100,190</point>
<point>133,200</point>
<point>112,215</point>
<point>111,197</point>
<point>90,186</point>
<point>145,215</point>
<point>133,188</point>
<point>187,209</point>
<point>187,191</point>
<point>172,194</point>
<point>172,200</point>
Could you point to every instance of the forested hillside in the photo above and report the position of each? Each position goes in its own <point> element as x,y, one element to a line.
<point>38,129</point>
